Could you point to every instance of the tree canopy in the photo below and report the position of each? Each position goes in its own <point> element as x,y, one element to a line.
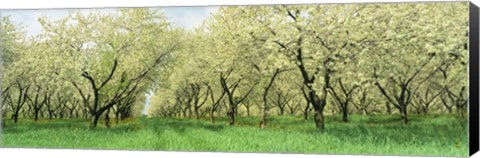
<point>334,59</point>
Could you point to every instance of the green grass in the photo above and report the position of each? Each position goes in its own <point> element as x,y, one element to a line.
<point>375,135</point>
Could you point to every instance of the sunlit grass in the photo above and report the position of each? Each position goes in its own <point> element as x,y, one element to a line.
<point>375,135</point>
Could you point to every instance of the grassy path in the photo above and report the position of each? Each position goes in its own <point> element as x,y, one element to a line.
<point>378,135</point>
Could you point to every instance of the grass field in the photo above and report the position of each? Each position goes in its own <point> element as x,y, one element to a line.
<point>376,135</point>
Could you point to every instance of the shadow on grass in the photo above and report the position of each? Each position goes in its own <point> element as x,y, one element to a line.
<point>155,124</point>
<point>26,125</point>
<point>180,125</point>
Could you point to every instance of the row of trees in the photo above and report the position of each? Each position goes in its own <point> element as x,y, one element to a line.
<point>362,58</point>
<point>85,65</point>
<point>257,59</point>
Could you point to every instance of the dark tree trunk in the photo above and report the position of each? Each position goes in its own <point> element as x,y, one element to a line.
<point>425,109</point>
<point>197,115</point>
<point>85,114</point>
<point>345,113</point>
<point>263,121</point>
<point>184,112</point>
<point>305,113</point>
<point>401,97</point>
<point>230,91</point>
<point>389,108</point>
<point>71,112</point>
<point>42,114</point>
<point>236,111</point>
<point>35,114</point>
<point>197,104</point>
<point>344,99</point>
<point>319,120</point>
<point>215,103</point>
<point>50,114</point>
<point>77,115</point>
<point>403,113</point>
<point>307,107</point>
<point>107,118</point>
<point>461,113</point>
<point>22,98</point>
<point>231,115</point>
<point>99,107</point>
<point>49,108</point>
<point>15,117</point>
<point>94,121</point>
<point>319,103</point>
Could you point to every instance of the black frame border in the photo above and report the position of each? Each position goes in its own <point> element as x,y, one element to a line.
<point>473,78</point>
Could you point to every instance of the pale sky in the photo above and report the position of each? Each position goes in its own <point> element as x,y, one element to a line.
<point>188,17</point>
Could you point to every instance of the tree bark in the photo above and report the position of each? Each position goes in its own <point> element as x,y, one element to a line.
<point>345,113</point>
<point>212,117</point>
<point>263,121</point>
<point>94,121</point>
<point>319,119</point>
<point>231,115</point>
<point>230,91</point>
<point>197,115</point>
<point>403,111</point>
<point>389,108</point>
<point>107,118</point>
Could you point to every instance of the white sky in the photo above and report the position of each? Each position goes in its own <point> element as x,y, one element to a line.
<point>188,17</point>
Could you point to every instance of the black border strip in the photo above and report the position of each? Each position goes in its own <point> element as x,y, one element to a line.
<point>473,82</point>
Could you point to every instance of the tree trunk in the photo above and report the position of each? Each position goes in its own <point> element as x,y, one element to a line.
<point>94,122</point>
<point>460,112</point>
<point>197,116</point>
<point>389,108</point>
<point>319,120</point>
<point>85,114</point>
<point>15,117</point>
<point>425,110</point>
<point>117,117</point>
<point>403,113</point>
<point>35,114</point>
<point>449,109</point>
<point>71,112</point>
<point>263,122</point>
<point>345,113</point>
<point>189,112</point>
<point>212,116</point>
<point>184,112</point>
<point>42,114</point>
<point>318,106</point>
<point>235,111</point>
<point>50,114</point>
<point>107,118</point>
<point>305,113</point>
<point>231,115</point>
